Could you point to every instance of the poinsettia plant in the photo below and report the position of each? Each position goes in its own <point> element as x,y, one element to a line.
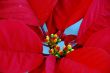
<point>21,45</point>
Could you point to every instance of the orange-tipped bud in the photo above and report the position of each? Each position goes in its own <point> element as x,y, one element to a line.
<point>65,48</point>
<point>57,48</point>
<point>72,49</point>
<point>55,35</point>
<point>51,51</point>
<point>47,38</point>
<point>55,40</point>
<point>61,52</point>
<point>68,52</point>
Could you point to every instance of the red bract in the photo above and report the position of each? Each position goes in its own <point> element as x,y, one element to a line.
<point>20,48</point>
<point>38,31</point>
<point>59,13</point>
<point>42,8</point>
<point>100,39</point>
<point>96,19</point>
<point>92,58</point>
<point>69,38</point>
<point>18,10</point>
<point>66,13</point>
<point>84,60</point>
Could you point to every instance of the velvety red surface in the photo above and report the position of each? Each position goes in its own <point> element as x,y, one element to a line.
<point>100,39</point>
<point>18,10</point>
<point>42,8</point>
<point>66,13</point>
<point>96,19</point>
<point>20,48</point>
<point>83,60</point>
<point>59,14</point>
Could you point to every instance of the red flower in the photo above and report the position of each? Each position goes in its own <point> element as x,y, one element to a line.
<point>21,48</point>
<point>83,60</point>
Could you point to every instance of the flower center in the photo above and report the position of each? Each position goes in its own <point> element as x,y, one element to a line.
<point>52,42</point>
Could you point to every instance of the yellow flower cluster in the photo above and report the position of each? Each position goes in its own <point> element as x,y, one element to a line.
<point>52,41</point>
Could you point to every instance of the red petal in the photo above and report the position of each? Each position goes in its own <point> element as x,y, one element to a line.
<point>20,48</point>
<point>68,12</point>
<point>83,60</point>
<point>88,59</point>
<point>40,69</point>
<point>18,10</point>
<point>70,66</point>
<point>19,62</point>
<point>50,25</point>
<point>42,8</point>
<point>50,64</point>
<point>97,18</point>
<point>69,38</point>
<point>38,32</point>
<point>100,39</point>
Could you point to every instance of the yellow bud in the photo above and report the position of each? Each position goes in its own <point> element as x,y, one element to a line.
<point>51,51</point>
<point>47,37</point>
<point>72,50</point>
<point>55,40</point>
<point>68,51</point>
<point>55,35</point>
<point>57,46</point>
<point>69,46</point>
